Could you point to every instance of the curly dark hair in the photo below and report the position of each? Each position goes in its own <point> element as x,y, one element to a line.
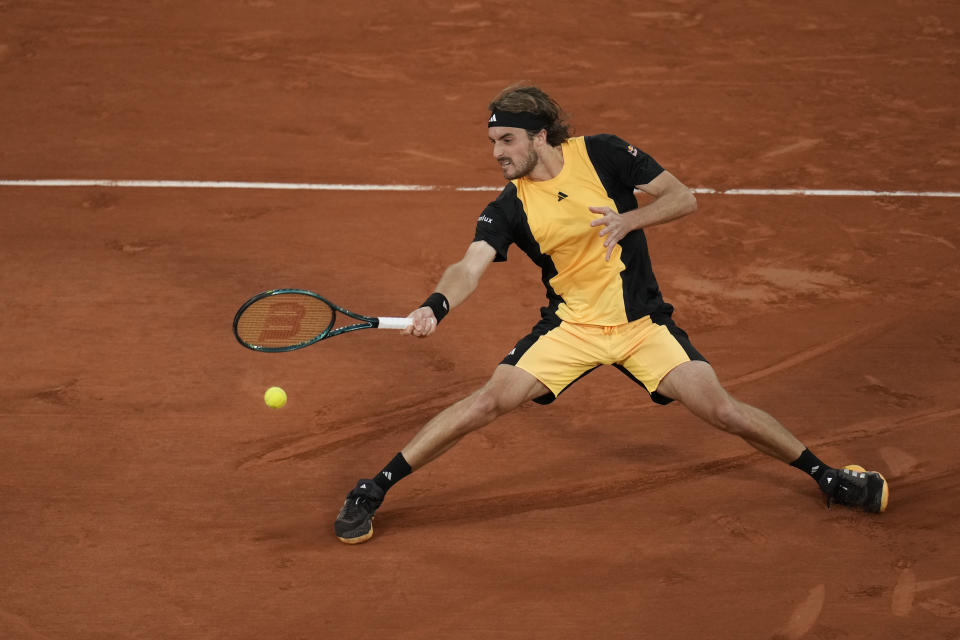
<point>519,97</point>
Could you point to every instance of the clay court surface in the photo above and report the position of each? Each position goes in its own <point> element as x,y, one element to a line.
<point>147,492</point>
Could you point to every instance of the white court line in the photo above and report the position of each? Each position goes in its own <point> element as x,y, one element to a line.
<point>839,192</point>
<point>209,184</point>
<point>795,192</point>
<point>307,186</point>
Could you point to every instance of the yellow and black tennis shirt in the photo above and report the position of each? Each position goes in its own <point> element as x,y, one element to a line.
<point>550,221</point>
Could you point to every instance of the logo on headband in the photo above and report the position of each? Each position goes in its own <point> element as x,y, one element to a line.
<point>493,118</point>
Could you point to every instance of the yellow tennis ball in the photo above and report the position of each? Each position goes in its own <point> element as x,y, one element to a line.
<point>275,397</point>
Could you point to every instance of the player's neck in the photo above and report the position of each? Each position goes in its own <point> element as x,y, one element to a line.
<point>550,165</point>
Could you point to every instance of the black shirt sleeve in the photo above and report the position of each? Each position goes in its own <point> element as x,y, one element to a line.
<point>497,224</point>
<point>617,159</point>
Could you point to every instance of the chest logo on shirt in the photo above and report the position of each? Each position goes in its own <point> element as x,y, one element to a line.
<point>561,195</point>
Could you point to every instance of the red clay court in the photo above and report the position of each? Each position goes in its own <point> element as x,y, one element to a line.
<point>145,490</point>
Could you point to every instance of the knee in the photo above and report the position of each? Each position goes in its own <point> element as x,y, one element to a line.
<point>727,415</point>
<point>484,406</point>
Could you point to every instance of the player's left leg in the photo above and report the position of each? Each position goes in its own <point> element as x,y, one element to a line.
<point>695,385</point>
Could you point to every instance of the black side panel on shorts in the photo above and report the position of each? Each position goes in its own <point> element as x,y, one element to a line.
<point>663,318</point>
<point>547,322</point>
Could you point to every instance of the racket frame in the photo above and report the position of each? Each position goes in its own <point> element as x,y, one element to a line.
<point>365,322</point>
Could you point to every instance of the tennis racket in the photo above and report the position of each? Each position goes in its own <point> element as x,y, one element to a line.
<point>288,319</point>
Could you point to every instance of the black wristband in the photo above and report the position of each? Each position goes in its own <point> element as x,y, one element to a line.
<point>437,302</point>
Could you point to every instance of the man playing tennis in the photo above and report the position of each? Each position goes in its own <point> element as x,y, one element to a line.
<point>570,206</point>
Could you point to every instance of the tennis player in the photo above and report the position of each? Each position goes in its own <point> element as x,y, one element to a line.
<point>570,205</point>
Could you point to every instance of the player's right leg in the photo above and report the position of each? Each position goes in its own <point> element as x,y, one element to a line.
<point>507,389</point>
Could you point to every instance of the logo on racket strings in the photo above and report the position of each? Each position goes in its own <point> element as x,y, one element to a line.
<point>282,322</point>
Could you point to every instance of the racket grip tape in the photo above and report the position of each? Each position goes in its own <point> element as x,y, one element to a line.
<point>394,323</point>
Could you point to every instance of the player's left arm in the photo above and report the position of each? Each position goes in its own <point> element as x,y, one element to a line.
<point>671,200</point>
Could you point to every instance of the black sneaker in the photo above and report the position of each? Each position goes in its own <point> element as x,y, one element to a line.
<point>854,486</point>
<point>355,522</point>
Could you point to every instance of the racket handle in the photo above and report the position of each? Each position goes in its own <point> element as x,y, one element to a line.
<point>394,323</point>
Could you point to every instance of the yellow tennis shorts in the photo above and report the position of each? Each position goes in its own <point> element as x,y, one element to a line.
<point>560,353</point>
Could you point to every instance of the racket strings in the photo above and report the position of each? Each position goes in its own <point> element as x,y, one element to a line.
<point>284,320</point>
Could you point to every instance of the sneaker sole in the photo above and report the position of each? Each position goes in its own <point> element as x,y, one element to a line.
<point>884,494</point>
<point>358,539</point>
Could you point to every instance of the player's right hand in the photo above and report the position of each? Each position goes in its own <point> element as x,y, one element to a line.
<point>424,323</point>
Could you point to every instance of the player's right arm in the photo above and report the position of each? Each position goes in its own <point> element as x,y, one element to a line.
<point>457,283</point>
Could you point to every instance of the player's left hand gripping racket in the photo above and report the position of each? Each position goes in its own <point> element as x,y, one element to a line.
<point>288,319</point>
